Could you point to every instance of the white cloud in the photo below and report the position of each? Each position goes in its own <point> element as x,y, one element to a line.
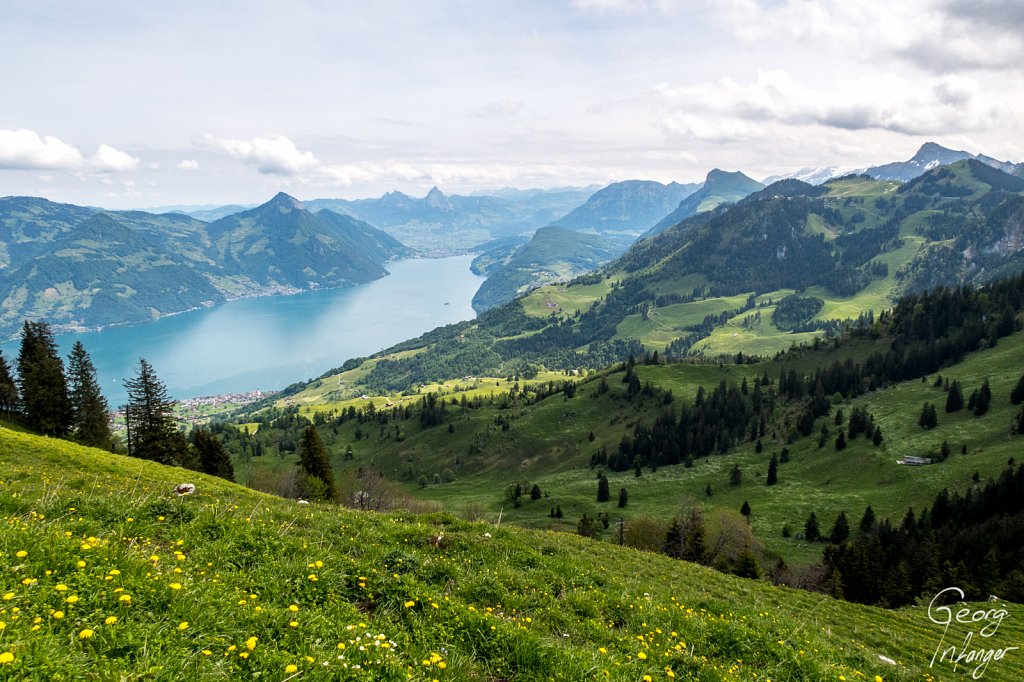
<point>728,110</point>
<point>109,159</point>
<point>26,150</point>
<point>273,156</point>
<point>188,165</point>
<point>941,36</point>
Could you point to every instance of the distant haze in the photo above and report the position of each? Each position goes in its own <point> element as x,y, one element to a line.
<point>152,104</point>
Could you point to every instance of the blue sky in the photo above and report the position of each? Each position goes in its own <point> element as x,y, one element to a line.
<point>129,104</point>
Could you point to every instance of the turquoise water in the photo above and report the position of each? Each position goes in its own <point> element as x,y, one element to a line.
<point>270,342</point>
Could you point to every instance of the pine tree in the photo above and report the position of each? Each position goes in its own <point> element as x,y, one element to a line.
<point>736,475</point>
<point>745,509</point>
<point>841,441</point>
<point>9,402</point>
<point>149,419</point>
<point>673,545</point>
<point>984,399</point>
<point>773,471</point>
<point>812,533</point>
<point>603,489</point>
<point>867,522</point>
<point>44,390</point>
<point>623,498</point>
<point>90,412</point>
<point>586,527</point>
<point>955,397</point>
<point>877,438</point>
<point>747,565</point>
<point>1017,394</point>
<point>928,419</point>
<point>535,492</point>
<point>840,530</point>
<point>315,463</point>
<point>213,458</point>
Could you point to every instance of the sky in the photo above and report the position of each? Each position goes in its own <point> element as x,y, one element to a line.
<point>128,104</point>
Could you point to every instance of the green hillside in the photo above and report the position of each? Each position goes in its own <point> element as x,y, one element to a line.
<point>109,575</point>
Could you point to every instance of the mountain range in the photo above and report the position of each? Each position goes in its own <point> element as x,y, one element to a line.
<point>78,267</point>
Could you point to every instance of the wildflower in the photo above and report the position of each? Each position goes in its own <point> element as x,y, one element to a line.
<point>80,564</point>
<point>244,654</point>
<point>206,652</point>
<point>6,657</point>
<point>293,608</point>
<point>642,656</point>
<point>250,643</point>
<point>125,598</point>
<point>110,620</point>
<point>409,604</point>
<point>21,554</point>
<point>175,586</point>
<point>72,599</point>
<point>85,634</point>
<point>57,615</point>
<point>9,596</point>
<point>293,624</point>
<point>290,668</point>
<point>61,588</point>
<point>183,625</point>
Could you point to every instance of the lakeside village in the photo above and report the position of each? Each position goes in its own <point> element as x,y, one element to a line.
<point>193,411</point>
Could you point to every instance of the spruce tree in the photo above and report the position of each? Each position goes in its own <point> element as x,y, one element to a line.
<point>315,463</point>
<point>735,475</point>
<point>1017,394</point>
<point>745,509</point>
<point>213,458</point>
<point>603,489</point>
<point>149,418</point>
<point>840,530</point>
<point>90,412</point>
<point>929,418</point>
<point>867,522</point>
<point>955,397</point>
<point>841,441</point>
<point>44,390</point>
<point>812,532</point>
<point>984,399</point>
<point>623,498</point>
<point>535,493</point>
<point>9,402</point>
<point>773,471</point>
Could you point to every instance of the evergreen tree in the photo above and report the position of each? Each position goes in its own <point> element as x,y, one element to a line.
<point>929,418</point>
<point>955,397</point>
<point>745,509</point>
<point>90,412</point>
<point>558,512</point>
<point>623,498</point>
<point>603,490</point>
<point>45,404</point>
<point>736,475</point>
<point>9,402</point>
<point>315,463</point>
<point>673,545</point>
<point>213,458</point>
<point>1017,394</point>
<point>708,491</point>
<point>840,530</point>
<point>535,492</point>
<point>747,565</point>
<point>812,533</point>
<point>773,471</point>
<point>877,438</point>
<point>841,441</point>
<point>867,522</point>
<point>149,419</point>
<point>694,544</point>
<point>587,527</point>
<point>984,399</point>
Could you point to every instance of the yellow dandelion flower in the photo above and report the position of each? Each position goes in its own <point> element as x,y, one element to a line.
<point>57,615</point>
<point>110,620</point>
<point>8,596</point>
<point>85,634</point>
<point>244,654</point>
<point>206,652</point>
<point>312,577</point>
<point>72,599</point>
<point>642,656</point>
<point>183,625</point>
<point>602,650</point>
<point>125,598</point>
<point>293,608</point>
<point>878,678</point>
<point>290,668</point>
<point>250,643</point>
<point>80,564</point>
<point>409,604</point>
<point>114,571</point>
<point>293,624</point>
<point>175,586</point>
<point>6,657</point>
<point>21,554</point>
<point>61,588</point>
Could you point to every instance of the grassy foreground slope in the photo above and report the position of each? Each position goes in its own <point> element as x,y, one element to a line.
<point>107,575</point>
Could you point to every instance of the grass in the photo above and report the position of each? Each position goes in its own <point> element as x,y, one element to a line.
<point>108,575</point>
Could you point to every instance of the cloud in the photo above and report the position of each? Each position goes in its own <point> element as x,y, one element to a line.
<point>729,111</point>
<point>26,150</point>
<point>188,165</point>
<point>940,36</point>
<point>271,156</point>
<point>109,159</point>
